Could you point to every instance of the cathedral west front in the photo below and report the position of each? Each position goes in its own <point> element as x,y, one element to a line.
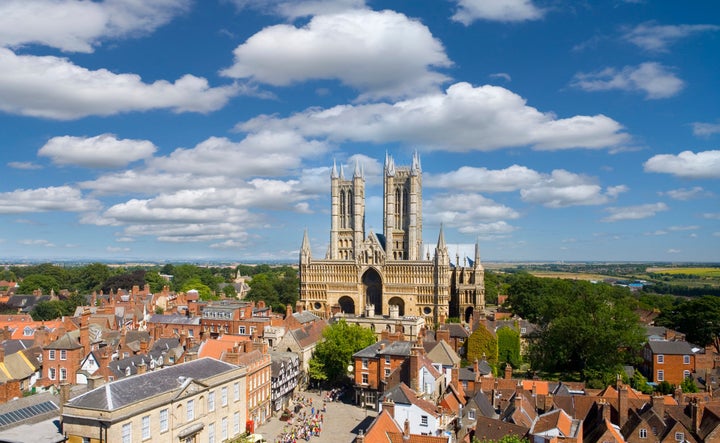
<point>368,274</point>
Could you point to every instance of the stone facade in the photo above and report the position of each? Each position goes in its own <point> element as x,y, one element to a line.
<point>374,272</point>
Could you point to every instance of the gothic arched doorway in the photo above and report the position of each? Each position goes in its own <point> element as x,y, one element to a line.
<point>347,304</point>
<point>400,303</point>
<point>468,313</point>
<point>372,288</point>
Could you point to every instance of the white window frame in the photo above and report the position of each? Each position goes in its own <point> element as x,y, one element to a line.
<point>52,373</point>
<point>63,354</point>
<point>224,428</point>
<point>211,401</point>
<point>145,421</point>
<point>190,410</point>
<point>364,363</point>
<point>660,359</point>
<point>236,391</point>
<point>223,396</point>
<point>127,433</point>
<point>471,414</point>
<point>211,433</point>
<point>686,359</point>
<point>387,359</point>
<point>423,420</point>
<point>63,374</point>
<point>660,375</point>
<point>164,424</point>
<point>236,423</point>
<point>643,433</point>
<point>51,354</point>
<point>365,379</point>
<point>679,436</point>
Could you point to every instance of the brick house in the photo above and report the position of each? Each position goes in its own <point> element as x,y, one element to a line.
<point>670,361</point>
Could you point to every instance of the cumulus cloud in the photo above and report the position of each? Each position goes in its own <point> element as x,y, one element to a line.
<point>686,193</point>
<point>55,198</point>
<point>562,189</point>
<point>36,242</point>
<point>687,164</point>
<point>469,178</point>
<point>705,129</point>
<point>293,9</point>
<point>654,79</point>
<point>102,151</point>
<point>381,54</point>
<point>53,87</point>
<point>496,10</point>
<point>464,118</point>
<point>653,37</point>
<point>634,212</point>
<point>282,151</point>
<point>78,26</point>
<point>469,213</point>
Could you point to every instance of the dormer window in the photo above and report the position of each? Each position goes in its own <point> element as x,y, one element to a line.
<point>28,331</point>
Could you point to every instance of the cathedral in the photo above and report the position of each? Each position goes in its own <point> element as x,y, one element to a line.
<point>368,274</point>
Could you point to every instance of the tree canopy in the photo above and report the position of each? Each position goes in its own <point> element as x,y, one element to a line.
<point>333,355</point>
<point>697,318</point>
<point>586,328</point>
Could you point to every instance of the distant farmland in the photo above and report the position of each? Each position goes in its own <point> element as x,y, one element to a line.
<point>699,272</point>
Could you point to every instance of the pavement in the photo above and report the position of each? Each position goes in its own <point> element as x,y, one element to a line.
<point>343,420</point>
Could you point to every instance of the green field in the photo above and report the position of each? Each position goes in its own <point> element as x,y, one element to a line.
<point>700,272</point>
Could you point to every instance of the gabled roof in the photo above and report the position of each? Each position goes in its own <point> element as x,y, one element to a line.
<point>18,366</point>
<point>216,347</point>
<point>492,429</point>
<point>556,422</point>
<point>404,395</point>
<point>456,330</point>
<point>305,317</point>
<point>378,429</point>
<point>68,341</point>
<point>710,420</point>
<point>309,334</point>
<point>444,354</point>
<point>127,391</point>
<point>671,347</point>
<point>482,403</point>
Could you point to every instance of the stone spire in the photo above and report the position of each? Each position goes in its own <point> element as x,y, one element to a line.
<point>333,173</point>
<point>305,254</point>
<point>477,263</point>
<point>342,172</point>
<point>415,168</point>
<point>358,172</point>
<point>441,239</point>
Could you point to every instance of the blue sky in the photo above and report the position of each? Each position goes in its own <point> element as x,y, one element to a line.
<point>188,130</point>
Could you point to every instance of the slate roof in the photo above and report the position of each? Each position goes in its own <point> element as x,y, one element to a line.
<point>671,347</point>
<point>401,348</point>
<point>176,319</point>
<point>68,341</point>
<point>456,330</point>
<point>127,391</point>
<point>492,429</point>
<point>482,402</point>
<point>404,395</point>
<point>305,317</point>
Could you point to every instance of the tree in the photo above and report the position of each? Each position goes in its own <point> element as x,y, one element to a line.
<point>698,319</point>
<point>204,291</point>
<point>48,310</point>
<point>91,277</point>
<point>524,296</point>
<point>640,383</point>
<point>584,328</point>
<point>688,385</point>
<point>508,340</point>
<point>334,354</point>
<point>126,281</point>
<point>38,281</point>
<point>482,344</point>
<point>229,291</point>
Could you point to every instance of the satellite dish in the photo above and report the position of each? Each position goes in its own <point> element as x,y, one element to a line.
<point>350,368</point>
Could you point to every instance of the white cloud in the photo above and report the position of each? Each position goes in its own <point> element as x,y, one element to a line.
<point>24,165</point>
<point>282,151</point>
<point>652,78</point>
<point>562,189</point>
<point>673,251</point>
<point>634,212</point>
<point>687,164</point>
<point>78,26</point>
<point>556,190</point>
<point>685,193</point>
<point>55,88</point>
<point>501,75</point>
<point>36,242</point>
<point>684,228</point>
<point>654,37</point>
<point>293,9</point>
<point>658,232</point>
<point>469,178</point>
<point>705,129</point>
<point>469,213</point>
<point>711,216</point>
<point>464,118</point>
<point>381,54</point>
<point>117,249</point>
<point>498,10</point>
<point>56,198</point>
<point>102,151</point>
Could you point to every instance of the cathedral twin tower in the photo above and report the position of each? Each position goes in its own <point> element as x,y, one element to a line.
<point>382,274</point>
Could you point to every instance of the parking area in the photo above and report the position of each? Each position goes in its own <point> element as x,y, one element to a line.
<point>342,420</point>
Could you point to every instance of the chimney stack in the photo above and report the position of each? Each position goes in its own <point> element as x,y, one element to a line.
<point>443,334</point>
<point>389,406</point>
<point>508,371</point>
<point>622,405</point>
<point>657,402</point>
